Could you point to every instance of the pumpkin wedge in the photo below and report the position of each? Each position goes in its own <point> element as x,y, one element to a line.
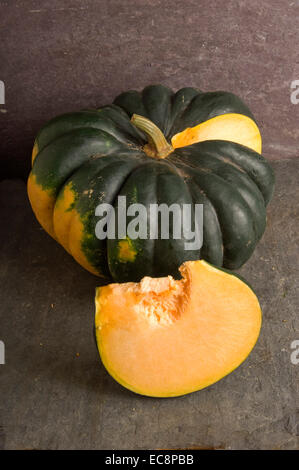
<point>163,337</point>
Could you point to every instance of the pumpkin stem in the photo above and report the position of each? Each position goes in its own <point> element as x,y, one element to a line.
<point>157,145</point>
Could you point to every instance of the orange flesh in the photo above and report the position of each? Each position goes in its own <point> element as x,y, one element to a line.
<point>233,127</point>
<point>164,338</point>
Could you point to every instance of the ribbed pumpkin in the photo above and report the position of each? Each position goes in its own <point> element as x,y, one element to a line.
<point>186,147</point>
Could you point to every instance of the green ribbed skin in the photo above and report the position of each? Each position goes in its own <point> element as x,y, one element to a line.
<point>102,151</point>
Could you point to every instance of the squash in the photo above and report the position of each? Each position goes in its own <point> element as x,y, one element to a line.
<point>153,147</point>
<point>164,337</point>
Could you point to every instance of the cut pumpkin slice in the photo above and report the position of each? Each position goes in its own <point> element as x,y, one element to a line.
<point>165,338</point>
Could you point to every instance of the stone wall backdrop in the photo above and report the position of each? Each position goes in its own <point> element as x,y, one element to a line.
<point>62,55</point>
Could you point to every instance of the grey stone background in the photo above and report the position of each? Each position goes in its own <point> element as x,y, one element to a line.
<point>58,56</point>
<point>55,393</point>
<point>62,55</point>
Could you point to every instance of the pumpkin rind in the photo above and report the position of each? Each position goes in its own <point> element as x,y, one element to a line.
<point>156,182</point>
<point>90,157</point>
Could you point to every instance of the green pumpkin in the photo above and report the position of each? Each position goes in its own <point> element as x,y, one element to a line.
<point>187,147</point>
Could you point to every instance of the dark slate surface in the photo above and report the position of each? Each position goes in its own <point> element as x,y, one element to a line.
<point>62,55</point>
<point>56,394</point>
